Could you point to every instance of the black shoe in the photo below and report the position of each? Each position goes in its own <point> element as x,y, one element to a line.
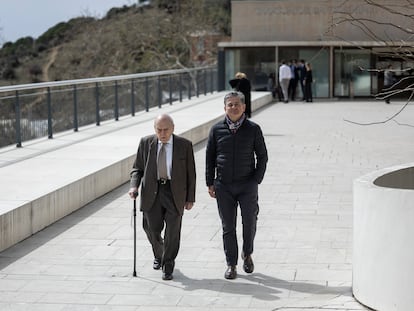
<point>167,272</point>
<point>166,276</point>
<point>248,265</point>
<point>157,264</point>
<point>231,273</point>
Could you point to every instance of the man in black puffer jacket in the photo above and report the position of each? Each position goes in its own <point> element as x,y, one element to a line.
<point>236,158</point>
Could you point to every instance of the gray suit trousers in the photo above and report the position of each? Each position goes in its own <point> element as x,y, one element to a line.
<point>163,212</point>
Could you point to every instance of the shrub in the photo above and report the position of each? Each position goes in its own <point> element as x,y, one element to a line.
<point>9,74</point>
<point>54,35</point>
<point>35,70</point>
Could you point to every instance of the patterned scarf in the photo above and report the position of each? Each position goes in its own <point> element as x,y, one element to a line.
<point>234,126</point>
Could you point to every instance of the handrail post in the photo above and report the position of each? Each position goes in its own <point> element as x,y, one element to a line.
<point>196,82</point>
<point>132,98</point>
<point>189,86</point>
<point>211,81</point>
<point>146,94</point>
<point>159,92</point>
<point>98,119</point>
<point>49,115</point>
<point>181,87</point>
<point>75,109</point>
<point>18,127</point>
<point>116,112</point>
<point>170,89</point>
<point>205,81</point>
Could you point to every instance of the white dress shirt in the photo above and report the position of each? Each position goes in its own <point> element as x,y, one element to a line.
<point>284,72</point>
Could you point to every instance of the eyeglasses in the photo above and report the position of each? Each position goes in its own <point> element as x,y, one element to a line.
<point>235,105</point>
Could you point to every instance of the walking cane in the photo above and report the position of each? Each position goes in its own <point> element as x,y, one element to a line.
<point>135,234</point>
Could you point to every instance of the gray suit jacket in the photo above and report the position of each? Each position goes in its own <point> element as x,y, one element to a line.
<point>183,174</point>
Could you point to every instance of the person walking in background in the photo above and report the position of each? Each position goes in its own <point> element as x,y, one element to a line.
<point>308,83</point>
<point>302,75</point>
<point>388,81</point>
<point>242,84</point>
<point>284,79</point>
<point>236,159</point>
<point>164,167</point>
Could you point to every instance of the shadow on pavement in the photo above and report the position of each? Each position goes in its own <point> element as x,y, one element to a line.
<point>258,285</point>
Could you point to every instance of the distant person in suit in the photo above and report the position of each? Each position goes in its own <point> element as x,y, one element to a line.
<point>294,79</point>
<point>308,83</point>
<point>242,84</point>
<point>285,74</point>
<point>302,75</point>
<point>389,80</point>
<point>164,168</point>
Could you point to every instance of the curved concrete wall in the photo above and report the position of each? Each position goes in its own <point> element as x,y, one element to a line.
<point>383,258</point>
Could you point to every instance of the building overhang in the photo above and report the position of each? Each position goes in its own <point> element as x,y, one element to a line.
<point>362,44</point>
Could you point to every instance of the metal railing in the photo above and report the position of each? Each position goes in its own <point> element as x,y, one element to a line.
<point>30,111</point>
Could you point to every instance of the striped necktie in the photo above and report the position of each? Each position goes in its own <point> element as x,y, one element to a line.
<point>162,163</point>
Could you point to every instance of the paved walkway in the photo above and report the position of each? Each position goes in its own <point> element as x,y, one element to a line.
<point>303,251</point>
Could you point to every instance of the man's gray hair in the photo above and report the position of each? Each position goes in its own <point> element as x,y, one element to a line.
<point>240,95</point>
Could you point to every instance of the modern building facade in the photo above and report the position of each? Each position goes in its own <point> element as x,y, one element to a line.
<point>344,40</point>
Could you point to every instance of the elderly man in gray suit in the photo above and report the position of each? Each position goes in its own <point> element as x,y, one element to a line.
<point>164,168</point>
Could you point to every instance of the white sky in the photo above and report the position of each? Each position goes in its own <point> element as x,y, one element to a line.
<point>22,18</point>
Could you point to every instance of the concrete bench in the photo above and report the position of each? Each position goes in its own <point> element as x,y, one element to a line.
<point>383,259</point>
<point>49,179</point>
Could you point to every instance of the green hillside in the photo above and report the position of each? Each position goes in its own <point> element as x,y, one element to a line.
<point>129,39</point>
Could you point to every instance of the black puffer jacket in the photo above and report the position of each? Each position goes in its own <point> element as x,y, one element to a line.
<point>235,157</point>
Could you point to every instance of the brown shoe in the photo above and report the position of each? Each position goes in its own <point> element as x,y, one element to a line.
<point>231,273</point>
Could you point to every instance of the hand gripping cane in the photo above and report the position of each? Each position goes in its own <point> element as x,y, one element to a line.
<point>135,233</point>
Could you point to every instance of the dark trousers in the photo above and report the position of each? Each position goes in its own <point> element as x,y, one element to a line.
<point>292,88</point>
<point>248,110</point>
<point>302,88</point>
<point>229,196</point>
<point>385,89</point>
<point>308,92</point>
<point>163,212</point>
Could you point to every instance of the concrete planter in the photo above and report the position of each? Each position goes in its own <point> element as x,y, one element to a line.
<point>383,258</point>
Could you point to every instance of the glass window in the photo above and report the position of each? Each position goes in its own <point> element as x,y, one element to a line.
<point>319,59</point>
<point>256,63</point>
<point>350,80</point>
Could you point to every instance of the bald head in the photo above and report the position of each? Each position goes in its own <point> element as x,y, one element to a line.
<point>164,118</point>
<point>164,127</point>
